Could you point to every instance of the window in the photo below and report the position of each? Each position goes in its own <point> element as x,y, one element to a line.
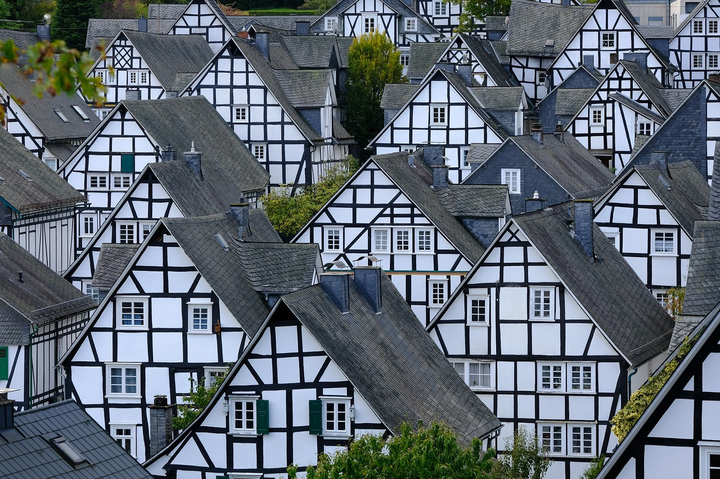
<point>404,57</point>
<point>644,128</point>
<point>712,61</point>
<point>478,310</point>
<point>597,115</point>
<point>551,377</point>
<point>477,375</point>
<point>369,24</point>
<point>145,229</point>
<point>608,39</point>
<point>424,241</point>
<point>440,8</point>
<point>126,233</point>
<point>464,157</point>
<point>438,293</point>
<point>106,77</point>
<point>581,440</point>
<point>199,317</point>
<point>333,239</point>
<point>245,415</point>
<point>381,238</point>
<point>132,312</point>
<point>213,375</point>
<point>330,416</point>
<point>709,460</point>
<point>96,182</point>
<point>438,115</point>
<point>4,363</point>
<point>613,234</point>
<point>552,438</point>
<point>712,26</point>
<point>121,182</point>
<point>402,240</point>
<point>90,291</point>
<point>690,6</point>
<point>411,24</point>
<point>259,152</point>
<point>697,60</point>
<point>331,24</point>
<point>51,162</point>
<point>511,178</point>
<point>581,378</point>
<point>697,26</point>
<point>123,379</point>
<point>662,298</point>
<point>541,77</point>
<point>124,434</point>
<point>240,114</point>
<point>542,303</point>
<point>663,242</point>
<point>87,225</point>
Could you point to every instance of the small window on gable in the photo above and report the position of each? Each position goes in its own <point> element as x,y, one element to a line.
<point>438,115</point>
<point>213,375</point>
<point>697,60</point>
<point>381,240</point>
<point>249,415</point>
<point>464,157</point>
<point>97,181</point>
<point>664,242</point>
<point>121,182</point>
<point>411,24</point>
<point>662,298</point>
<point>712,60</point>
<point>132,312</point>
<point>511,178</point>
<point>437,292</point>
<point>91,291</point>
<point>126,233</point>
<point>424,241</point>
<point>542,303</point>
<point>402,241</point>
<point>607,39</point>
<point>541,77</point>
<point>124,434</point>
<point>597,116</point>
<point>644,128</point>
<point>240,114</point>
<point>123,379</point>
<point>330,416</point>
<point>331,24</point>
<point>404,57</point>
<point>259,152</point>
<point>478,313</point>
<point>88,224</point>
<point>440,8</point>
<point>712,26</point>
<point>333,239</point>
<point>199,317</point>
<point>368,24</point>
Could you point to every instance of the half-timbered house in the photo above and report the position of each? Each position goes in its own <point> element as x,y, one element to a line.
<point>40,316</point>
<point>399,211</point>
<point>444,16</point>
<point>445,110</point>
<point>563,102</point>
<point>542,170</point>
<point>206,19</point>
<point>182,309</point>
<point>318,374</point>
<point>482,55</point>
<point>695,47</point>
<point>137,133</point>
<point>146,66</point>
<point>37,208</point>
<point>50,127</point>
<point>294,145</point>
<point>649,214</point>
<point>553,329</point>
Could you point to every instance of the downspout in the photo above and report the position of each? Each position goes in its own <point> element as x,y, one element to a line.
<point>634,371</point>
<point>30,388</point>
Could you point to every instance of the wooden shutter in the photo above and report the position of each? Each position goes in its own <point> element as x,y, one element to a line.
<point>316,416</point>
<point>263,416</point>
<point>3,362</point>
<point>127,163</point>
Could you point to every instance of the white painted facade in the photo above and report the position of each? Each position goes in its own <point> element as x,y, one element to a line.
<point>695,48</point>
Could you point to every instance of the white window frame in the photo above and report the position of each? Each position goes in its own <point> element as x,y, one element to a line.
<point>608,40</point>
<point>121,438</point>
<point>404,58</point>
<point>245,420</point>
<point>327,230</point>
<point>697,61</point>
<point>134,323</point>
<point>644,128</point>
<point>697,26</point>
<point>125,384</point>
<point>571,439</point>
<point>473,319</point>
<point>662,297</point>
<point>411,24</point>
<point>240,113</point>
<point>707,449</point>
<point>513,184</point>
<point>121,181</point>
<point>552,374</point>
<point>484,370</point>
<point>549,443</point>
<point>613,234</point>
<point>85,220</point>
<point>440,8</point>
<point>586,385</point>
<point>90,291</point>
<point>712,26</point>
<point>335,401</point>
<point>673,242</point>
<point>464,154</point>
<point>106,77</point>
<point>211,375</point>
<point>100,180</point>
<point>438,115</point>
<point>551,311</point>
<point>331,24</point>
<point>259,151</point>
<point>540,77</point>
<point>428,245</point>
<point>205,305</point>
<point>369,23</point>
<point>437,292</point>
<point>596,116</point>
<point>561,438</point>
<point>124,231</point>
<point>144,229</point>
<point>381,245</point>
<point>712,61</point>
<point>402,240</point>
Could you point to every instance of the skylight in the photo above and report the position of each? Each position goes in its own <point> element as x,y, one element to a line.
<point>60,114</point>
<point>71,454</point>
<point>80,112</point>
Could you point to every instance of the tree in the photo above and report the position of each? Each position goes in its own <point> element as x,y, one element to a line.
<point>71,21</point>
<point>373,61</point>
<point>318,5</point>
<point>524,458</point>
<point>474,11</point>
<point>199,397</point>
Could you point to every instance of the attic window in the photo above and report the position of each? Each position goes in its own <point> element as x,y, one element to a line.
<point>550,43</point>
<point>68,451</point>
<point>24,175</point>
<point>82,114</point>
<point>60,114</point>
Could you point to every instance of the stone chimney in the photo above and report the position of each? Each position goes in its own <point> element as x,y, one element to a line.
<point>536,132</point>
<point>302,28</point>
<point>132,94</point>
<point>142,24</point>
<point>337,287</point>
<point>433,155</point>
<point>583,225</point>
<point>535,203</point>
<point>368,281</point>
<point>168,154</point>
<point>240,214</point>
<point>714,209</point>
<point>262,42</point>
<point>193,160</point>
<point>7,414</point>
<point>160,424</point>
<point>440,176</point>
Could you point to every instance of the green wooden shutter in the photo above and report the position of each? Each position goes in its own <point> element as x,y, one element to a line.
<point>3,362</point>
<point>127,163</point>
<point>263,416</point>
<point>316,416</point>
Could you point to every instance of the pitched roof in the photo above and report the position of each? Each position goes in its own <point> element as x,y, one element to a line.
<point>649,84</point>
<point>26,183</point>
<point>45,112</point>
<point>171,55</point>
<point>278,267</point>
<point>395,95</point>
<point>689,18</point>
<point>112,260</point>
<point>475,201</point>
<point>287,23</point>
<point>479,152</point>
<point>312,51</point>
<point>391,361</point>
<point>105,29</point>
<point>484,51</point>
<point>499,98</point>
<point>606,287</point>
<point>29,454</point>
<point>571,100</point>
<point>642,109</point>
<point>702,291</point>
<point>42,296</point>
<point>22,40</point>
<point>305,88</point>
<point>423,57</point>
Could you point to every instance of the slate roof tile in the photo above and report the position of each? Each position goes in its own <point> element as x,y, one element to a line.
<point>111,262</point>
<point>395,95</point>
<point>702,291</point>
<point>423,57</point>
<point>305,88</point>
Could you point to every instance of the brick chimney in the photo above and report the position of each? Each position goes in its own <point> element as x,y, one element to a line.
<point>368,281</point>
<point>337,287</point>
<point>160,424</point>
<point>193,160</point>
<point>583,225</point>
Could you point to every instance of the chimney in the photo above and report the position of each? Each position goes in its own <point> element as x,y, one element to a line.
<point>368,281</point>
<point>168,154</point>
<point>7,413</point>
<point>536,132</point>
<point>714,209</point>
<point>160,424</point>
<point>193,160</point>
<point>583,224</point>
<point>43,32</point>
<point>465,72</point>
<point>132,94</point>
<point>589,62</point>
<point>302,28</point>
<point>262,42</point>
<point>639,58</point>
<point>411,160</point>
<point>714,77</point>
<point>661,158</point>
<point>142,24</point>
<point>535,203</point>
<point>240,213</point>
<point>440,176</point>
<point>433,155</point>
<point>337,287</point>
<point>171,94</point>
<point>559,133</point>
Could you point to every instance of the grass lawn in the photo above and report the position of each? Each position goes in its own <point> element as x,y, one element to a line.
<point>283,11</point>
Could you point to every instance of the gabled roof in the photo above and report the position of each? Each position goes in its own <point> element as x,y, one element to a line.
<point>312,51</point>
<point>43,112</point>
<point>637,107</point>
<point>212,5</point>
<point>171,55</point>
<point>28,453</point>
<point>22,40</point>
<point>479,152</point>
<point>279,268</point>
<point>398,6</point>
<point>305,88</point>
<point>423,57</point>
<point>689,18</point>
<point>42,296</point>
<point>395,95</point>
<point>475,201</point>
<point>500,98</point>
<point>606,287</point>
<point>484,52</point>
<point>649,84</point>
<point>105,29</point>
<point>571,100</point>
<point>287,23</point>
<point>27,184</point>
<point>111,262</point>
<point>702,291</point>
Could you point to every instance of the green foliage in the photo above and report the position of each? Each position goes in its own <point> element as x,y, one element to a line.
<point>373,61</point>
<point>424,453</point>
<point>318,5</point>
<point>523,458</point>
<point>70,21</point>
<point>676,298</point>
<point>594,468</point>
<point>289,213</point>
<point>639,401</point>
<point>476,10</point>
<point>196,401</point>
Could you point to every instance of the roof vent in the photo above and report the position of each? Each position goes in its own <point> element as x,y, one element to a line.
<point>550,43</point>
<point>24,175</point>
<point>221,241</point>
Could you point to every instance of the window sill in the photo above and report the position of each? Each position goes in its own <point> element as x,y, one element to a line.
<point>438,125</point>
<point>479,325</point>
<point>123,396</point>
<point>244,434</point>
<point>339,437</point>
<point>201,333</point>
<point>482,390</point>
<point>132,328</point>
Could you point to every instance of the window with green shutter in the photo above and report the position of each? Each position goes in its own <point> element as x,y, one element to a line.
<point>3,362</point>
<point>263,416</point>
<point>316,407</point>
<point>127,163</point>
